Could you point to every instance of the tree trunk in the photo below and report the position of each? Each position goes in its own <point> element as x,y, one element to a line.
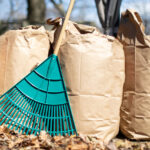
<point>109,15</point>
<point>36,11</point>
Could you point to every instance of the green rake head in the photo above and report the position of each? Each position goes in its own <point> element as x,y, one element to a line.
<point>39,102</point>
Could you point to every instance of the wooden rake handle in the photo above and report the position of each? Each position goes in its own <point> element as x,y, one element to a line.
<point>58,43</point>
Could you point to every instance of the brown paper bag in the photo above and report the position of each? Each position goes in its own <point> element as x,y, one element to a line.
<point>93,69</point>
<point>20,52</point>
<point>135,109</point>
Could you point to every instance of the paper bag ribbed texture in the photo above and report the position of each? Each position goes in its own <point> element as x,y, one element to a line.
<point>93,69</point>
<point>20,52</point>
<point>135,109</point>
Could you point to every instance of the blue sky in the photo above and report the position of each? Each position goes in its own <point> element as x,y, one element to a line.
<point>88,9</point>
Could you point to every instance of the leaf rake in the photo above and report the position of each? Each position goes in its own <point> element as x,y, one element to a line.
<point>40,101</point>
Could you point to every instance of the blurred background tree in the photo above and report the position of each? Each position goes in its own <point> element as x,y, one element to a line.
<point>36,11</point>
<point>18,13</point>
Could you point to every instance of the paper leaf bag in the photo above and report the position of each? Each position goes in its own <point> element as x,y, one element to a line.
<point>135,109</point>
<point>21,51</point>
<point>93,69</point>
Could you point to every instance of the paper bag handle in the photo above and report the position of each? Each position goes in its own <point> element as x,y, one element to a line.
<point>137,19</point>
<point>58,42</point>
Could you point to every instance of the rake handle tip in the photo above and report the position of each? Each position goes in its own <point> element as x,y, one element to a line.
<point>58,43</point>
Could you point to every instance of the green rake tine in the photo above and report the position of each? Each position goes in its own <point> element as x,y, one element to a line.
<point>31,121</point>
<point>38,119</point>
<point>66,120</point>
<point>9,106</point>
<point>5,106</point>
<point>48,113</point>
<point>57,121</point>
<point>25,122</point>
<point>62,109</point>
<point>8,92</point>
<point>68,114</point>
<point>25,115</point>
<point>9,109</point>
<point>28,114</point>
<point>44,114</point>
<point>60,120</point>
<point>24,126</point>
<point>54,121</point>
<point>45,117</point>
<point>15,114</point>
<point>37,112</point>
<point>5,97</point>
<point>25,102</point>
<point>21,114</point>
<point>1,97</point>
<point>11,116</point>
<point>51,120</point>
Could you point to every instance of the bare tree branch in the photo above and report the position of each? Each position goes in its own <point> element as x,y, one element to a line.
<point>59,7</point>
<point>11,10</point>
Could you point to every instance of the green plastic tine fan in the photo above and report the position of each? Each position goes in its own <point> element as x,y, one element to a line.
<point>40,101</point>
